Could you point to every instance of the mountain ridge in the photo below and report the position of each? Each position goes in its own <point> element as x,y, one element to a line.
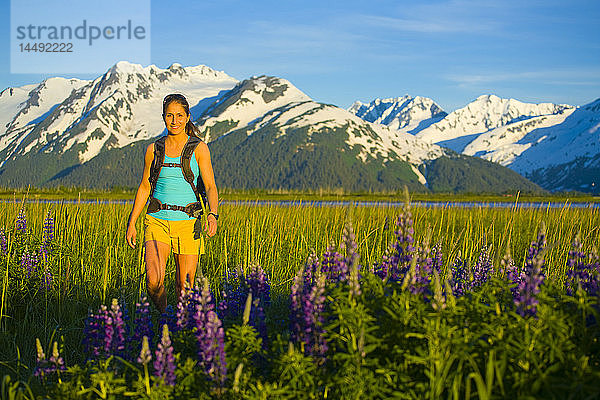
<point>532,139</point>
<point>262,131</point>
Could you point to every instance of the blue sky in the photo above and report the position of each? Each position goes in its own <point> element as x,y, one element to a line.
<point>341,51</point>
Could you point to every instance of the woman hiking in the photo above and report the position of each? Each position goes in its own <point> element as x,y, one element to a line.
<point>177,176</point>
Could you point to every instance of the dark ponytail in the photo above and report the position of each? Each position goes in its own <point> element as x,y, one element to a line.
<point>190,128</point>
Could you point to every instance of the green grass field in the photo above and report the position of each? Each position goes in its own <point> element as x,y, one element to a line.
<point>91,263</point>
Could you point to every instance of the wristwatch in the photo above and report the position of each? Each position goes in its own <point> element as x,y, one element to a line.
<point>213,214</point>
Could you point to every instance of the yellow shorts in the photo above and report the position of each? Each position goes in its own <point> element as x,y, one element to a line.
<point>178,234</point>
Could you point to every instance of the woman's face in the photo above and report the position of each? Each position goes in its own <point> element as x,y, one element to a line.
<point>176,118</point>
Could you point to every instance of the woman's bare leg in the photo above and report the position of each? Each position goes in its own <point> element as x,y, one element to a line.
<point>156,261</point>
<point>186,271</point>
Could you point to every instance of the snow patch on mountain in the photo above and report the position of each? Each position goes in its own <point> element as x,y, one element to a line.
<point>504,144</point>
<point>577,137</point>
<point>249,101</point>
<point>11,100</point>
<point>485,113</point>
<point>407,113</point>
<point>419,175</point>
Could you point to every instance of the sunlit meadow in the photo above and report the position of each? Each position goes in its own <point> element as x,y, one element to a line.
<point>346,302</point>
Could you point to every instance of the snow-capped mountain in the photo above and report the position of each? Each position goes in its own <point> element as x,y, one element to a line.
<point>528,138</point>
<point>484,114</point>
<point>263,132</point>
<point>341,148</point>
<point>247,101</point>
<point>407,113</point>
<point>269,101</point>
<point>121,106</point>
<point>565,156</point>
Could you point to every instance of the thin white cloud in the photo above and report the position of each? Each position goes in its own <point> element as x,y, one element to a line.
<point>421,25</point>
<point>572,76</point>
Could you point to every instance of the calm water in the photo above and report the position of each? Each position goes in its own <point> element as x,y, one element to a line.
<point>331,203</point>
<point>427,204</point>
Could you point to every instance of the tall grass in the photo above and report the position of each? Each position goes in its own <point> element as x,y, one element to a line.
<point>94,263</point>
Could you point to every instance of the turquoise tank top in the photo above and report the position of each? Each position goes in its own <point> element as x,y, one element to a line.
<point>172,188</point>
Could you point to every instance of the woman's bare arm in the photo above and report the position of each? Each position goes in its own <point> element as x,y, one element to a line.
<point>141,197</point>
<point>203,157</point>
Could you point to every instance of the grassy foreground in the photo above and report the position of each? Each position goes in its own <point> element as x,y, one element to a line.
<point>91,264</point>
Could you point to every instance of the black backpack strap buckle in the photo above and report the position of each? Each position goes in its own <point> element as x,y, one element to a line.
<point>154,205</point>
<point>194,210</point>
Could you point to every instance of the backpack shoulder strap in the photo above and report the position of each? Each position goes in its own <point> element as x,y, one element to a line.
<point>186,155</point>
<point>157,163</point>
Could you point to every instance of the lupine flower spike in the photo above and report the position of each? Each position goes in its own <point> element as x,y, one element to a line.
<point>526,300</point>
<point>583,270</point>
<point>3,242</point>
<point>145,355</point>
<point>483,269</point>
<point>211,337</point>
<point>164,362</point>
<point>21,222</point>
<point>142,320</point>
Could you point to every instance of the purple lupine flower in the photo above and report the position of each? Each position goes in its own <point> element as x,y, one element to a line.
<point>142,320</point>
<point>109,331</point>
<point>419,279</point>
<point>313,309</point>
<point>48,235</point>
<point>211,349</point>
<point>583,270</point>
<point>47,279</point>
<point>105,333</point>
<point>351,260</point>
<point>536,247</point>
<point>296,298</point>
<point>41,362</point>
<point>302,284</point>
<point>21,222</point>
<point>183,316</point>
<point>210,336</point>
<point>257,283</point>
<point>48,228</point>
<point>117,346</point>
<point>145,355</point>
<point>48,366</point>
<point>437,257</point>
<point>57,362</point>
<point>483,269</point>
<point>308,304</point>
<point>164,360</point>
<point>334,265</point>
<point>526,300</point>
<point>513,274</point>
<point>237,289</point>
<point>3,242</point>
<point>169,317</point>
<point>349,244</point>
<point>93,332</point>
<point>396,261</point>
<point>460,281</point>
<point>29,263</point>
<point>232,294</point>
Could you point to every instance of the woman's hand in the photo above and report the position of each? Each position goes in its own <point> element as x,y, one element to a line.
<point>211,227</point>
<point>130,236</point>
